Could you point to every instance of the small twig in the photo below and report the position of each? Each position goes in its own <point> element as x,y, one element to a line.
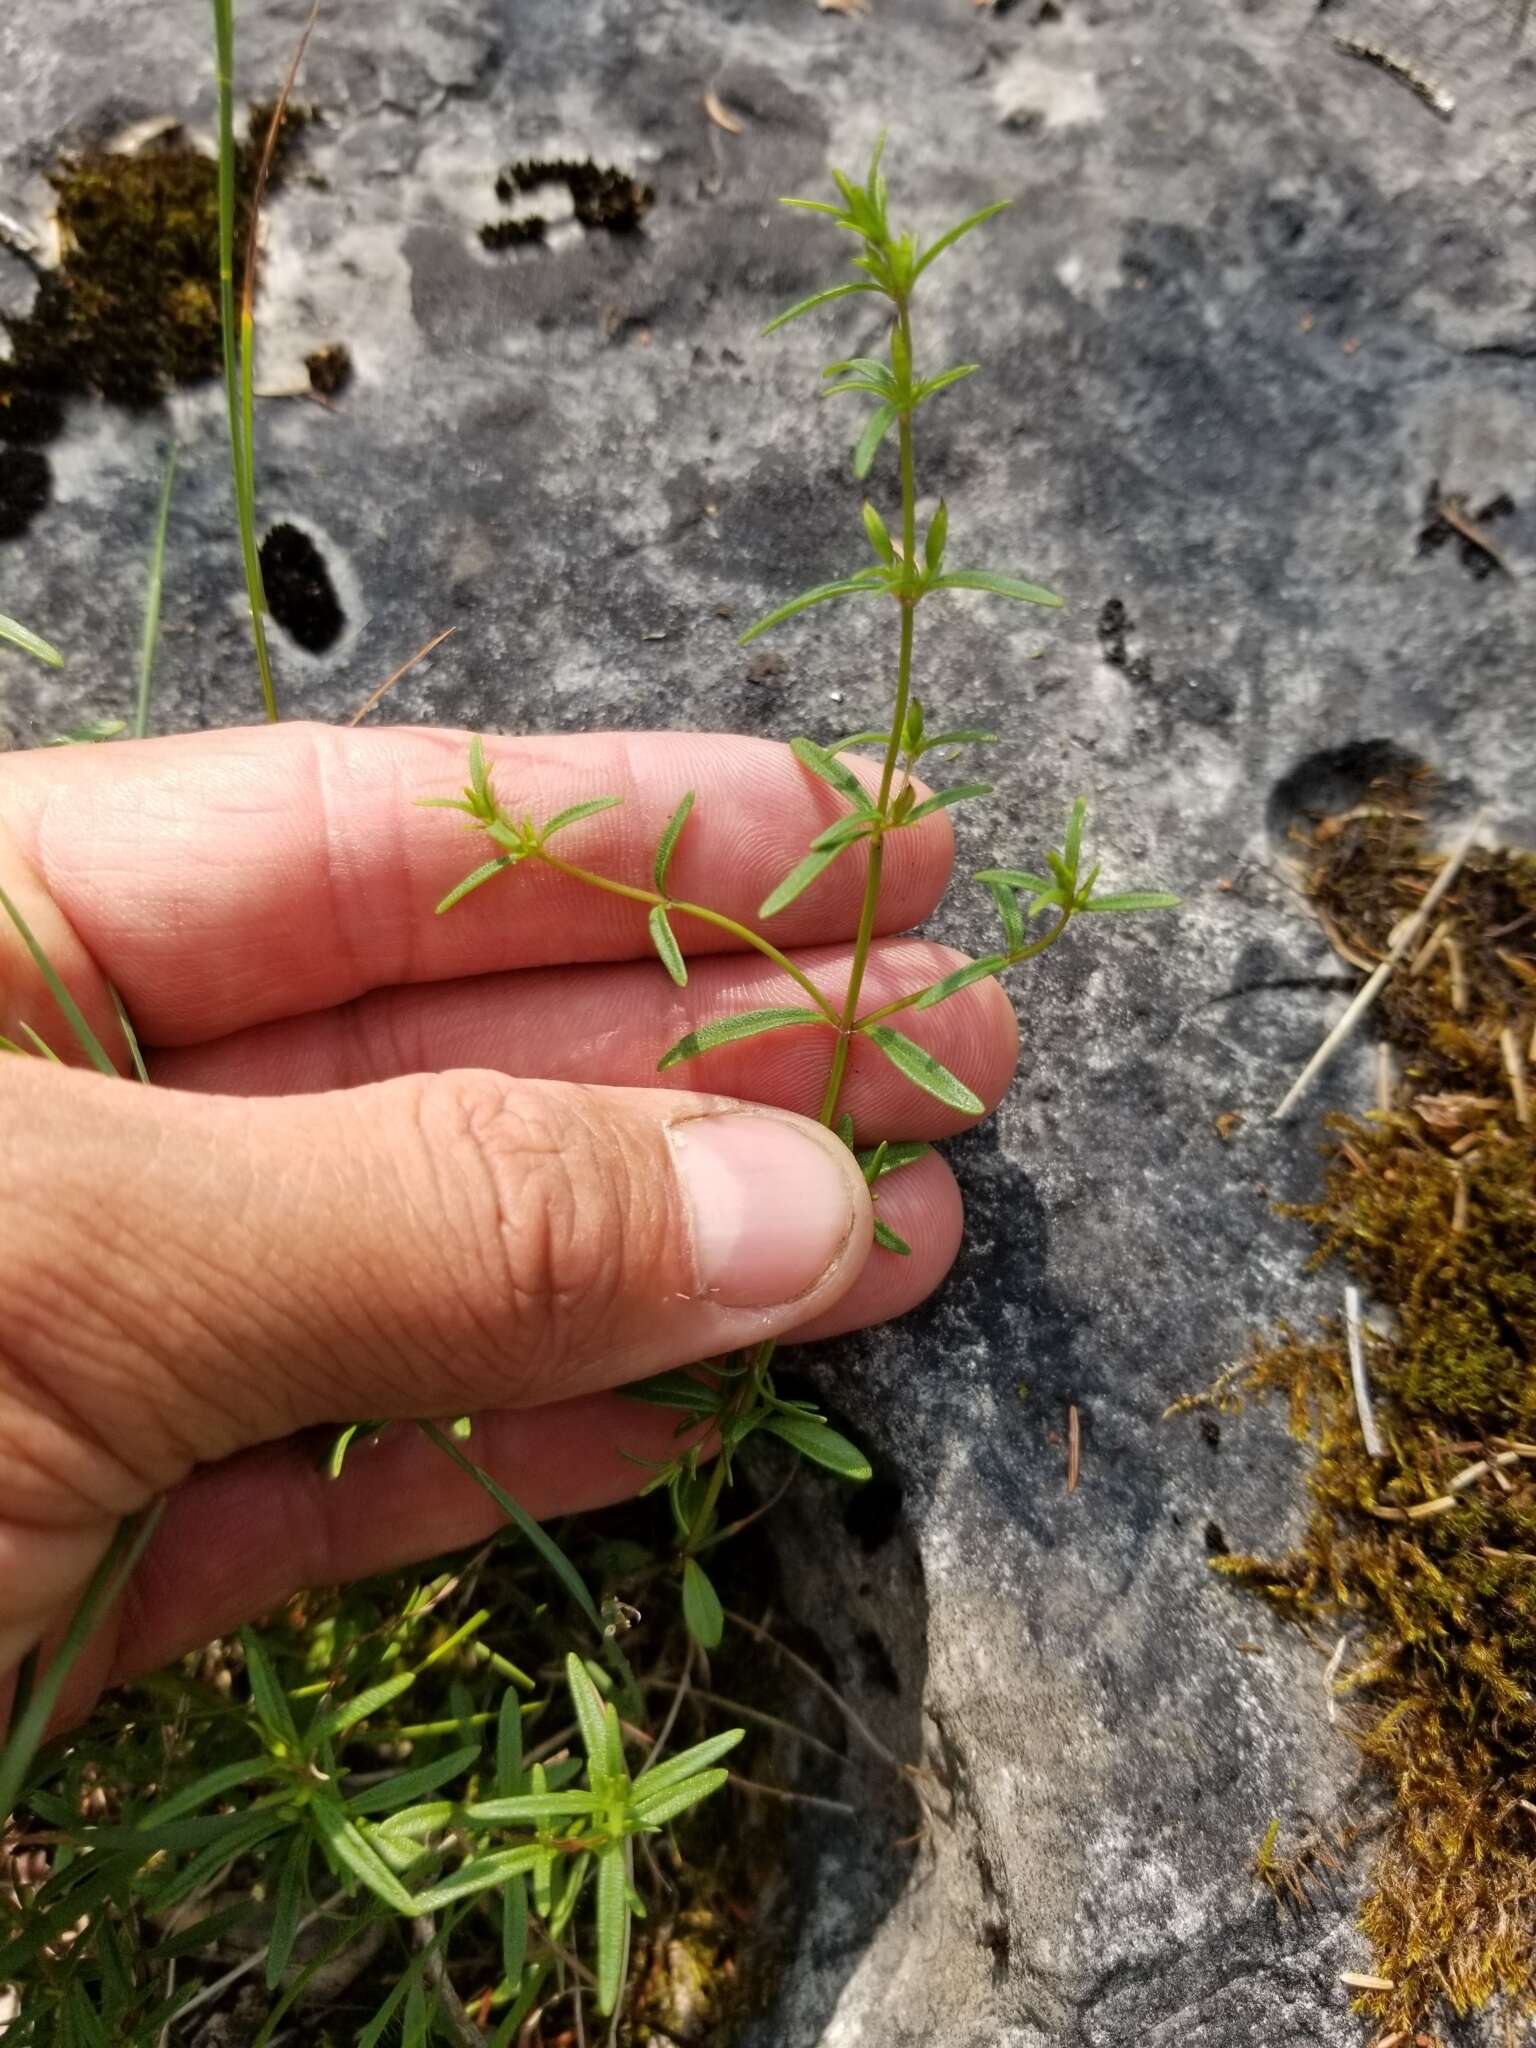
<point>751,1785</point>
<point>253,1961</point>
<point>1378,981</point>
<point>1469,530</point>
<point>1074,1447</point>
<point>1384,1077</point>
<point>1331,1672</point>
<point>1435,97</point>
<point>404,669</point>
<point>1431,946</point>
<point>264,167</point>
<point>424,1936</point>
<point>680,1693</point>
<point>1359,1980</point>
<point>1461,1204</point>
<point>1374,1446</point>
<point>1458,961</point>
<point>812,1676</point>
<point>1514,1066</point>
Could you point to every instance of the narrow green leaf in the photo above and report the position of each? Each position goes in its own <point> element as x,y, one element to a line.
<point>651,1783</point>
<point>676,1390</point>
<point>893,1155</point>
<point>612,1927</point>
<point>836,291</point>
<point>353,1855</point>
<point>859,739</point>
<point>814,206</point>
<point>267,1694</point>
<point>545,1544</point>
<point>577,812</point>
<point>702,1612</point>
<point>350,1712</point>
<point>665,941</point>
<point>510,1779</point>
<point>533,1806</point>
<point>963,977</point>
<point>932,385</point>
<point>800,878</point>
<point>962,794</point>
<point>150,638</point>
<point>588,1702</point>
<point>860,366</point>
<point>481,874</point>
<point>920,1066</point>
<point>1000,586</point>
<point>287,1907</point>
<point>85,1037</point>
<point>1015,878</point>
<point>879,424</point>
<point>832,771</point>
<point>31,643</point>
<point>514,1929</point>
<point>1134,899</point>
<point>40,1044</point>
<point>130,1036</point>
<point>820,1443</point>
<point>961,736</point>
<point>888,1240</point>
<point>91,735</point>
<point>668,1805</point>
<point>1072,845</point>
<point>879,537</point>
<point>847,586</point>
<point>952,235</point>
<point>1008,910</point>
<point>843,832</point>
<point>209,1786</point>
<point>411,1786</point>
<point>933,545</point>
<point>666,845</point>
<point>727,1030</point>
<point>480,1874</point>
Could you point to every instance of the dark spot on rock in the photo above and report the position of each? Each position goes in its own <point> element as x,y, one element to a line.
<point>26,482</point>
<point>766,668</point>
<point>1141,671</point>
<point>876,1659</point>
<point>1215,1541</point>
<point>997,1941</point>
<point>873,1513</point>
<point>602,195</point>
<point>330,368</point>
<point>1210,1429</point>
<point>299,589</point>
<point>1334,780</point>
<point>1115,625</point>
<point>28,413</point>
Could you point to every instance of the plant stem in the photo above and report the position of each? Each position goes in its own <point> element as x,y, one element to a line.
<point>749,1391</point>
<point>1015,959</point>
<point>237,354</point>
<point>152,600</point>
<point>717,918</point>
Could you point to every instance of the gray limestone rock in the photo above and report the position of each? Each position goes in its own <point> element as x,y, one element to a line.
<point>1254,301</point>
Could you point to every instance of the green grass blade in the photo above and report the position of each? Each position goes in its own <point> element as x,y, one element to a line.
<point>107,1581</point>
<point>151,639</point>
<point>135,1051</point>
<point>540,1538</point>
<point>29,642</point>
<point>89,1043</point>
<point>726,1030</point>
<point>836,291</point>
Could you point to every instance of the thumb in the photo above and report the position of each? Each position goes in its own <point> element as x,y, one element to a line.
<point>187,1276</point>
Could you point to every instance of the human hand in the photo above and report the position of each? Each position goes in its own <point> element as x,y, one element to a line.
<point>401,1166</point>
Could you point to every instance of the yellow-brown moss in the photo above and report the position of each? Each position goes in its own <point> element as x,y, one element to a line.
<point>1428,1554</point>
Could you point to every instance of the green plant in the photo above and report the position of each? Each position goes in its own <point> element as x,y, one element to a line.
<point>30,643</point>
<point>736,1397</point>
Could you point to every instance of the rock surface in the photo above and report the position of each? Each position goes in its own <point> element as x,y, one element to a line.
<point>1254,301</point>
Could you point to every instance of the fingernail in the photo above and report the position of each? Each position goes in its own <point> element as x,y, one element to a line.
<point>774,1205</point>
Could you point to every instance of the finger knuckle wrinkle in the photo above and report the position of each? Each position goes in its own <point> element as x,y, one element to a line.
<point>550,1200</point>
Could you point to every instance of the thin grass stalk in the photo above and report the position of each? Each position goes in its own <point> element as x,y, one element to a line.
<point>151,638</point>
<point>237,363</point>
<point>107,1581</point>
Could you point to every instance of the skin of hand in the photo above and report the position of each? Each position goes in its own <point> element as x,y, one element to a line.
<point>402,1166</point>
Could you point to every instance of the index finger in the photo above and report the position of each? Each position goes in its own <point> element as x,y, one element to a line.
<point>226,879</point>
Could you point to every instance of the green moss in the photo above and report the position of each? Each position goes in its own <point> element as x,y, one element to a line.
<point>1428,1555</point>
<point>132,308</point>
